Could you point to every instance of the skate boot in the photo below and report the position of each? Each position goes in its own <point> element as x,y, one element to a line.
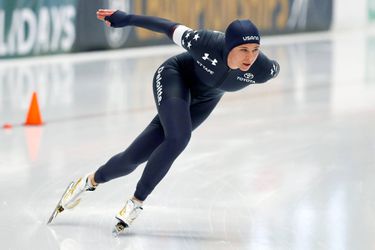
<point>126,216</point>
<point>72,195</point>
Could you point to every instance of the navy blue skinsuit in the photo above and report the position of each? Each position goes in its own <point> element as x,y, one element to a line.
<point>187,87</point>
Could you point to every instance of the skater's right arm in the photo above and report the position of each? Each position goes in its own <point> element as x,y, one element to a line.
<point>117,19</point>
<point>180,34</point>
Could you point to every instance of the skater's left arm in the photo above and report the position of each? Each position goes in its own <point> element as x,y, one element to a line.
<point>265,68</point>
<point>117,19</point>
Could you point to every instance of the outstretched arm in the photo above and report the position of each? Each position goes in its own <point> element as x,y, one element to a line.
<point>265,68</point>
<point>117,18</point>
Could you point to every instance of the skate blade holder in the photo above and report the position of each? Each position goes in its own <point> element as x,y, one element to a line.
<point>119,228</point>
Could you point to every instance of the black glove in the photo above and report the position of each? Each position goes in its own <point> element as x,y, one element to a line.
<point>118,19</point>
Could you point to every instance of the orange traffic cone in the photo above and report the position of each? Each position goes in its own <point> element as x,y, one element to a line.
<point>33,117</point>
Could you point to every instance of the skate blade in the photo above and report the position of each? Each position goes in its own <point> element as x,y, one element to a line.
<point>58,209</point>
<point>119,229</point>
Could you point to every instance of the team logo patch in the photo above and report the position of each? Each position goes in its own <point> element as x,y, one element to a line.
<point>248,76</point>
<point>274,70</point>
<point>188,43</point>
<point>250,38</point>
<point>206,57</point>
<point>159,85</point>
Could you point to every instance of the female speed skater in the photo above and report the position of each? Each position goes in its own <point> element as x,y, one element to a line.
<point>186,87</point>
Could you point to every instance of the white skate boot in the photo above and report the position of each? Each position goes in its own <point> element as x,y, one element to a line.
<point>126,216</point>
<point>72,195</point>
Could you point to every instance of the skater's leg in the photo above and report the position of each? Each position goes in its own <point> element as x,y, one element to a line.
<point>140,150</point>
<point>137,153</point>
<point>178,121</point>
<point>172,98</point>
<point>200,111</point>
<point>174,115</point>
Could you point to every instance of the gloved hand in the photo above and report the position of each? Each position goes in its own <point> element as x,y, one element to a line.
<point>113,18</point>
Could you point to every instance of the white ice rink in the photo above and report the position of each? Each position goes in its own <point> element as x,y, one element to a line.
<point>289,164</point>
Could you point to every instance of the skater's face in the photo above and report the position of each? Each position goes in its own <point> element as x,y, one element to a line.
<point>243,56</point>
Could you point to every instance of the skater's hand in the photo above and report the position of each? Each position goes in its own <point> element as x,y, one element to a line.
<point>113,18</point>
<point>101,14</point>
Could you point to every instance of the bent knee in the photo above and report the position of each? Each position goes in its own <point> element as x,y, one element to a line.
<point>178,142</point>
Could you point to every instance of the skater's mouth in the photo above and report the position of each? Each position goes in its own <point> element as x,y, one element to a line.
<point>246,65</point>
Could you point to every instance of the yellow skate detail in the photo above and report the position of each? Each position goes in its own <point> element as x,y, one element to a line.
<point>73,205</point>
<point>122,211</point>
<point>70,192</point>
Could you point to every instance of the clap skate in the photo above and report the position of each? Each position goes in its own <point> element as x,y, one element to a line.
<point>72,196</point>
<point>126,216</point>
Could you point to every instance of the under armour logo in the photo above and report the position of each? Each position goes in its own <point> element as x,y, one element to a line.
<point>205,57</point>
<point>248,76</point>
<point>273,69</point>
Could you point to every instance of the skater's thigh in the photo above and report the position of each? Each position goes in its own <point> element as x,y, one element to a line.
<point>169,83</point>
<point>201,110</point>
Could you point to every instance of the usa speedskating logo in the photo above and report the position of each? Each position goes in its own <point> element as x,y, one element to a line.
<point>250,38</point>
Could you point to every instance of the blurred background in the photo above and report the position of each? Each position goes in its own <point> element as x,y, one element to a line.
<point>33,28</point>
<point>47,27</point>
